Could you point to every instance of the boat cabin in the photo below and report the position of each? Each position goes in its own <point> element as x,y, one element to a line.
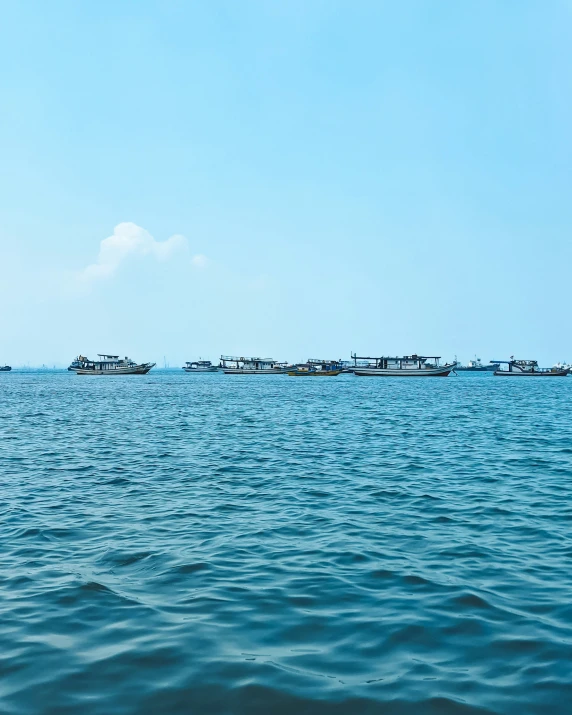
<point>522,365</point>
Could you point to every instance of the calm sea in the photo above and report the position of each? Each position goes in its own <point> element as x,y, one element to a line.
<point>271,545</point>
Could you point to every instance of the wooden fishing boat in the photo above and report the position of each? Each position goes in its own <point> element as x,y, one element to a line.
<point>200,366</point>
<point>252,366</point>
<point>109,365</point>
<point>5,368</point>
<point>406,366</point>
<point>317,368</point>
<point>529,368</point>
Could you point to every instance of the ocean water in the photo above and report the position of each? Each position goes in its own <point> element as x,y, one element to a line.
<point>268,545</point>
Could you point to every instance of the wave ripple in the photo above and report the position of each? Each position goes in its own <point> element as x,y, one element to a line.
<point>216,544</point>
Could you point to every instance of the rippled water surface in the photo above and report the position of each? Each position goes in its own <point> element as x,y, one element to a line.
<point>263,545</point>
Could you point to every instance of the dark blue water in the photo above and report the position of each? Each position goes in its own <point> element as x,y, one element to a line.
<point>263,545</point>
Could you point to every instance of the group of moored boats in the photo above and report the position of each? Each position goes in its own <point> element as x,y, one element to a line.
<point>232,365</point>
<point>516,368</point>
<point>410,366</point>
<point>405,366</point>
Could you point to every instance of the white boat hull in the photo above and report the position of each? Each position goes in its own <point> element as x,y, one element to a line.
<point>245,371</point>
<point>441,371</point>
<point>530,373</point>
<point>127,370</point>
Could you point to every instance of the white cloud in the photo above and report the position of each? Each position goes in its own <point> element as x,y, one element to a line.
<point>127,240</point>
<point>199,261</point>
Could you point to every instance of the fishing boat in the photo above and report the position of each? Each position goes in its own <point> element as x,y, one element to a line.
<point>252,366</point>
<point>200,366</point>
<point>109,365</point>
<point>317,368</point>
<point>406,366</point>
<point>5,368</point>
<point>350,367</point>
<point>528,368</point>
<point>477,366</point>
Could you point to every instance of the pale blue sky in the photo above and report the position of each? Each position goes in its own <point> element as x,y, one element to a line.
<point>386,177</point>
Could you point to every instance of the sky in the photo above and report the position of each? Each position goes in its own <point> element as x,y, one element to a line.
<point>290,179</point>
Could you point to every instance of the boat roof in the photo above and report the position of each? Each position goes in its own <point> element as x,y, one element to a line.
<point>246,359</point>
<point>509,362</point>
<point>111,357</point>
<point>397,357</point>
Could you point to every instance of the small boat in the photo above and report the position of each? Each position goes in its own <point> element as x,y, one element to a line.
<point>477,366</point>
<point>529,368</point>
<point>317,368</point>
<point>252,366</point>
<point>406,366</point>
<point>5,368</point>
<point>200,366</point>
<point>109,365</point>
